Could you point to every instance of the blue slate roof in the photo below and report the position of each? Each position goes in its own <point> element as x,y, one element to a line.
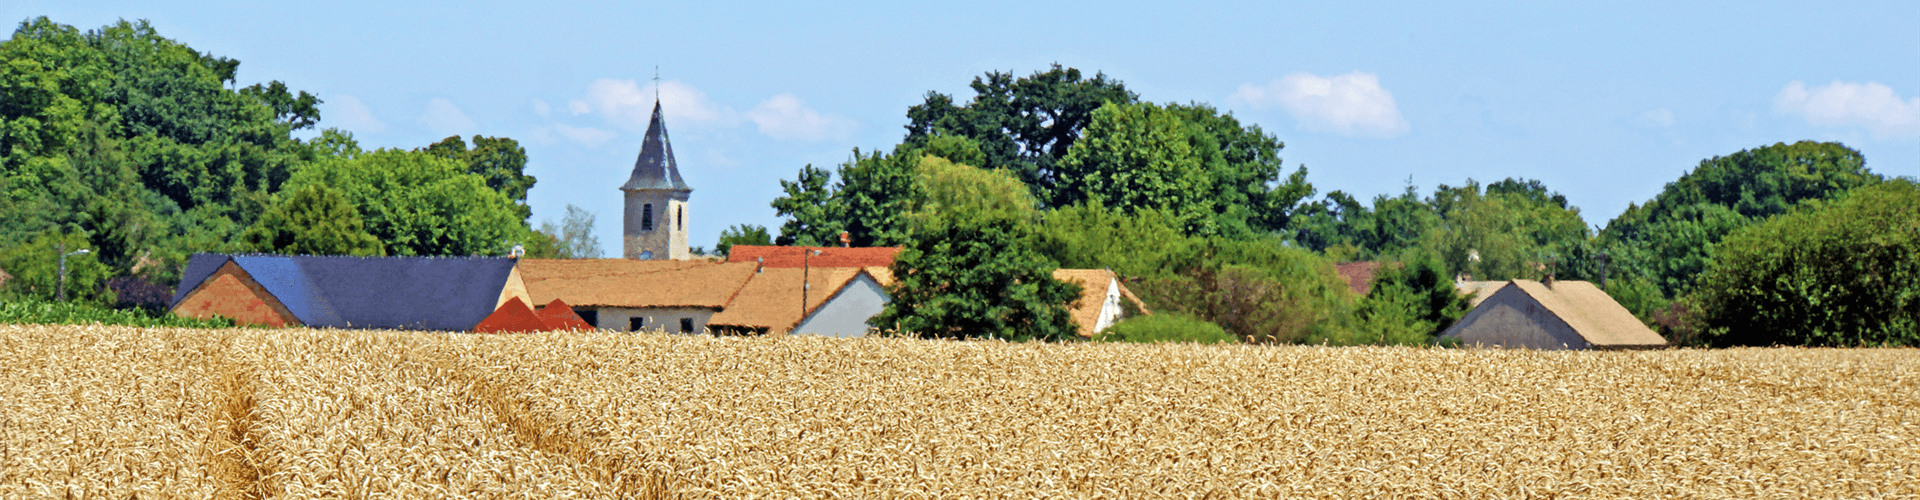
<point>655,168</point>
<point>416,293</point>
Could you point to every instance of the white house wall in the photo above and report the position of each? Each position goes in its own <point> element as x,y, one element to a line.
<point>846,314</point>
<point>1110,308</point>
<point>665,318</point>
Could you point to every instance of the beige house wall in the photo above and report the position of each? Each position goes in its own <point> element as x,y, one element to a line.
<point>515,287</point>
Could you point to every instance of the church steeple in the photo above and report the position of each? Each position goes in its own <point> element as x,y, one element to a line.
<point>656,216</point>
<point>655,169</point>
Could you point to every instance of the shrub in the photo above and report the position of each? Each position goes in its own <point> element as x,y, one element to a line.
<point>34,311</point>
<point>1160,328</point>
<point>1844,272</point>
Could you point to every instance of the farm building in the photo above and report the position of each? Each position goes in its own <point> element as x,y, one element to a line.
<point>677,296</point>
<point>1358,275</point>
<point>422,293</point>
<point>1548,315</point>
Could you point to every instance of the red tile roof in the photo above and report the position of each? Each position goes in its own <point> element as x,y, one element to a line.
<point>829,256</point>
<point>1359,275</point>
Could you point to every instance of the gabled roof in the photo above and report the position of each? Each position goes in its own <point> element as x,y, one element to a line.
<point>427,293</point>
<point>1093,295</point>
<point>1479,289</point>
<point>1585,308</point>
<point>635,283</point>
<point>777,256</point>
<point>655,168</point>
<point>772,298</point>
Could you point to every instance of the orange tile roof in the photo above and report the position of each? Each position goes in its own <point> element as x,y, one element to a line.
<point>635,283</point>
<point>771,299</point>
<point>829,256</point>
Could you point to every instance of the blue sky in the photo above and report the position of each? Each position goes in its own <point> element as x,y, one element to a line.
<point>1604,102</point>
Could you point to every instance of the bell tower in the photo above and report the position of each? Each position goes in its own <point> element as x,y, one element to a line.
<point>656,214</point>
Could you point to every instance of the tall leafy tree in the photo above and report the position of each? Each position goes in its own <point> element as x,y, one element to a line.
<point>1140,156</point>
<point>312,220</point>
<point>573,238</point>
<point>971,270</point>
<point>742,234</point>
<point>1024,125</point>
<point>1672,238</point>
<point>422,204</point>
<point>813,219</point>
<point>499,160</point>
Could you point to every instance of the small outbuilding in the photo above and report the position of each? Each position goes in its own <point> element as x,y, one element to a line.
<point>1548,315</point>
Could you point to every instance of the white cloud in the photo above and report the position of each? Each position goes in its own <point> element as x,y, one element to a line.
<point>578,107</point>
<point>349,114</point>
<point>784,117</point>
<point>1351,104</point>
<point>1655,118</point>
<point>1840,104</point>
<point>627,104</point>
<point>585,135</point>
<point>445,118</point>
<point>541,108</point>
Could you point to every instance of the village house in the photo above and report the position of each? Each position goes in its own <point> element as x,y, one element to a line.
<point>1548,315</point>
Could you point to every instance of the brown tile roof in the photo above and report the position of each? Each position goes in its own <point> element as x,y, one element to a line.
<point>771,299</point>
<point>829,256</point>
<point>1359,275</point>
<point>1587,309</point>
<point>1093,295</point>
<point>1590,311</point>
<point>635,283</point>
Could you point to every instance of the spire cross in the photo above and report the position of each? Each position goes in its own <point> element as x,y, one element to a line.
<point>656,83</point>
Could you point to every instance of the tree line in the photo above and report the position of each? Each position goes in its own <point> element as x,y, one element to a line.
<point>1059,169</point>
<point>143,151</point>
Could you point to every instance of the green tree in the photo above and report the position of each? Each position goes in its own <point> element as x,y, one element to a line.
<point>499,160</point>
<point>418,203</point>
<point>1139,156</point>
<point>1258,290</point>
<point>970,269</point>
<point>742,234</point>
<point>312,220</point>
<point>35,269</point>
<point>1024,125</point>
<point>1146,244</point>
<point>1673,237</point>
<point>1514,230</point>
<point>812,216</point>
<point>1840,273</point>
<point>573,238</point>
<point>1411,301</point>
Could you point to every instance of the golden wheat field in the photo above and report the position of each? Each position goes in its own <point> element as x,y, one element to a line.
<point>114,412</point>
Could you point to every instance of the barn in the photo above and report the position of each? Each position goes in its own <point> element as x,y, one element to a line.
<point>1548,315</point>
<point>416,293</point>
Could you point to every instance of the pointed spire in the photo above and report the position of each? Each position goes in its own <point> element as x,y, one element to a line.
<point>655,169</point>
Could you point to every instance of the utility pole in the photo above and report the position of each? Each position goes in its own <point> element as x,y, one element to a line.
<point>806,281</point>
<point>60,286</point>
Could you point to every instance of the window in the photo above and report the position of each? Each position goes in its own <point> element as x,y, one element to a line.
<point>646,217</point>
<point>686,325</point>
<point>680,217</point>
<point>636,324</point>
<point>592,317</point>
